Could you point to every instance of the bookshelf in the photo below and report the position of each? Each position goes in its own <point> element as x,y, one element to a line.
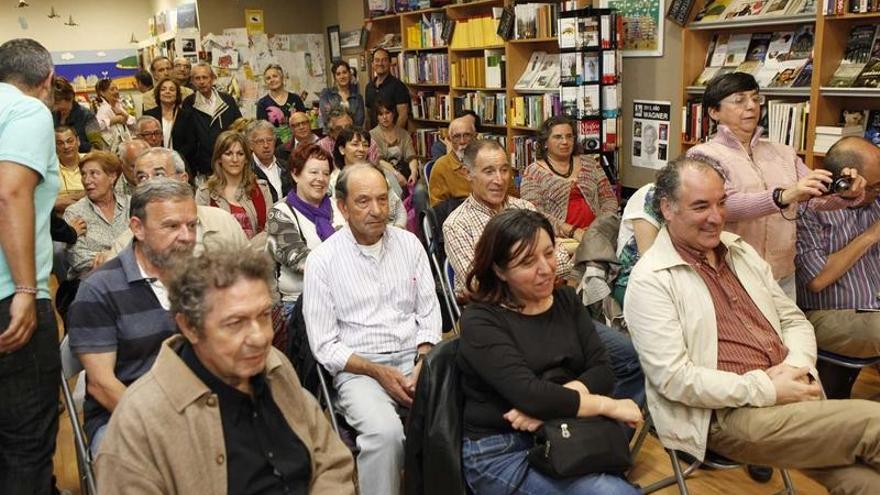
<point>491,67</point>
<point>826,103</point>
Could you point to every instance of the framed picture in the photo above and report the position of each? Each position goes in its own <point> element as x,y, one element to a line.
<point>333,37</point>
<point>351,39</point>
<point>642,26</point>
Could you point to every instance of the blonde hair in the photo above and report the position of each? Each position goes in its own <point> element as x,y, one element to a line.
<point>217,182</point>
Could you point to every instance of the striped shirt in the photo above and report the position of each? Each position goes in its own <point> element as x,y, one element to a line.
<point>116,310</point>
<point>746,340</point>
<point>355,302</point>
<point>822,233</point>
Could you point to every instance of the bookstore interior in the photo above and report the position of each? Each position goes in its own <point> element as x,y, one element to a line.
<point>629,74</point>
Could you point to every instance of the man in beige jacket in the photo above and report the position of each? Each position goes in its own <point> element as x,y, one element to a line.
<point>730,360</point>
<point>222,411</point>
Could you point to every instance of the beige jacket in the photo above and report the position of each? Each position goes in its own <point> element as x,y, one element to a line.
<point>166,435</point>
<point>671,319</point>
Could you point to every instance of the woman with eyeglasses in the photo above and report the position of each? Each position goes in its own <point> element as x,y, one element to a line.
<point>567,186</point>
<point>278,103</point>
<point>766,181</point>
<point>344,92</point>
<point>114,121</point>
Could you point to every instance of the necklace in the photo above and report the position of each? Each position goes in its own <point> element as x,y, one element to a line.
<point>553,169</point>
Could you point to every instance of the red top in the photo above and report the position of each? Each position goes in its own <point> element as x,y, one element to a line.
<point>579,212</point>
<point>240,214</point>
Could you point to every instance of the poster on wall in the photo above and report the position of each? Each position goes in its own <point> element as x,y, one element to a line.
<point>642,26</point>
<point>650,133</point>
<point>84,68</point>
<point>254,21</point>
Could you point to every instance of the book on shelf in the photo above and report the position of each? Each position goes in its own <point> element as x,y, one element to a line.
<point>494,63</point>
<point>855,57</point>
<point>425,68</point>
<point>578,32</point>
<point>737,49</point>
<point>609,66</point>
<point>531,110</point>
<point>525,151</point>
<point>468,72</point>
<point>506,18</point>
<point>837,7</point>
<point>827,136</point>
<point>571,68</point>
<point>798,59</point>
<point>476,32</point>
<point>541,73</point>
<point>430,105</point>
<point>736,10</point>
<point>712,10</point>
<point>719,51</point>
<point>609,134</point>
<point>588,104</point>
<point>424,139</point>
<point>535,20</point>
<point>590,135</point>
<point>755,54</point>
<point>872,127</point>
<point>743,8</point>
<point>870,76</point>
<point>491,107</point>
<point>428,31</point>
<point>787,123</point>
<point>696,124</point>
<point>612,95</point>
<point>780,45</point>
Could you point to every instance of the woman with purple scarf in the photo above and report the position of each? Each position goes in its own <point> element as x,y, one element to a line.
<point>301,221</point>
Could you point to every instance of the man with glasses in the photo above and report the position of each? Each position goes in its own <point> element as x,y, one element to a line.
<point>301,127</point>
<point>181,72</point>
<point>150,130</point>
<point>261,140</point>
<point>838,260</point>
<point>449,178</point>
<point>385,87</point>
<point>337,120</point>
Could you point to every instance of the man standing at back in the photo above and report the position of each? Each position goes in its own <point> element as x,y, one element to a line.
<point>29,360</point>
<point>386,87</point>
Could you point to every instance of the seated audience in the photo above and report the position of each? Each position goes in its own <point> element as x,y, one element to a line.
<point>339,119</point>
<point>104,211</point>
<point>143,82</point>
<point>129,152</point>
<point>216,227</point>
<point>729,358</point>
<point>442,145</point>
<point>277,105</point>
<point>449,176</point>
<point>120,315</point>
<point>67,112</point>
<point>261,139</point>
<point>234,188</point>
<point>838,260</point>
<point>638,229</point>
<point>170,97</point>
<point>149,129</point>
<point>300,221</point>
<point>71,188</point>
<point>490,173</point>
<point>568,186</point>
<point>221,411</point>
<point>343,93</point>
<point>529,353</point>
<point>205,115</point>
<point>371,313</point>
<point>114,121</point>
<point>396,152</point>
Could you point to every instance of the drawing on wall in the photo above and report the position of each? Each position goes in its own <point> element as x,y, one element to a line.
<point>642,26</point>
<point>650,136</point>
<point>84,68</point>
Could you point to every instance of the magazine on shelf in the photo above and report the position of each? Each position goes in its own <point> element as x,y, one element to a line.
<point>542,72</point>
<point>780,44</point>
<point>756,53</point>
<point>855,57</point>
<point>737,49</point>
<point>719,54</point>
<point>870,76</point>
<point>712,11</point>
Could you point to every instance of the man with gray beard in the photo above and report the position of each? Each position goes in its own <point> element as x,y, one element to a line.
<point>121,313</point>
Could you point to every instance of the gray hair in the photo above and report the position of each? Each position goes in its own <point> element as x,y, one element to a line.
<point>258,125</point>
<point>144,119</point>
<point>845,154</point>
<point>341,189</point>
<point>168,154</point>
<point>336,112</point>
<point>216,269</point>
<point>158,189</point>
<point>462,121</point>
<point>24,61</point>
<point>475,147</point>
<point>127,146</point>
<point>668,182</point>
<point>205,65</point>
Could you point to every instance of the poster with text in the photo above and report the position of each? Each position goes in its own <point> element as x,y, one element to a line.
<point>642,26</point>
<point>650,133</point>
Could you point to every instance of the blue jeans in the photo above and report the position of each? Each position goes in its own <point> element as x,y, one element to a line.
<point>630,381</point>
<point>498,464</point>
<point>30,379</point>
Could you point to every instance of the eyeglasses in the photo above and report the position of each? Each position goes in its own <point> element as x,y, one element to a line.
<point>263,141</point>
<point>150,134</point>
<point>742,100</point>
<point>461,136</point>
<point>300,123</point>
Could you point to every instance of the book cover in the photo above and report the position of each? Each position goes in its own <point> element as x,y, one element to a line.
<point>805,74</point>
<point>588,104</point>
<point>571,67</point>
<point>590,69</point>
<point>506,25</point>
<point>872,127</point>
<point>570,96</point>
<point>609,66</point>
<point>706,76</point>
<point>755,54</point>
<point>720,52</point>
<point>775,7</point>
<point>855,57</point>
<point>531,71</point>
<point>712,11</point>
<point>743,8</point>
<point>802,45</point>
<point>611,103</point>
<point>870,76</point>
<point>707,61</point>
<point>587,32</point>
<point>780,45</point>
<point>589,135</point>
<point>788,72</point>
<point>737,49</point>
<point>568,32</point>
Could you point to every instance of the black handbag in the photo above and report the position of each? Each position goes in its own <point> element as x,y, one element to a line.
<point>578,446</point>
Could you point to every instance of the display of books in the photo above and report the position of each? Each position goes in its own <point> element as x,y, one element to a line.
<point>870,76</point>
<point>542,72</point>
<point>855,58</point>
<point>737,49</point>
<point>756,53</point>
<point>712,10</point>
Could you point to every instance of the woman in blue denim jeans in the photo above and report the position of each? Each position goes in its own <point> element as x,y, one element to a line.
<point>529,353</point>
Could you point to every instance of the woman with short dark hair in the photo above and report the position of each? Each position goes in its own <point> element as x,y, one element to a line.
<point>344,93</point>
<point>764,179</point>
<point>397,155</point>
<point>529,353</point>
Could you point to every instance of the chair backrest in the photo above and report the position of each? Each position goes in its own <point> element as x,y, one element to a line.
<point>70,365</point>
<point>428,167</point>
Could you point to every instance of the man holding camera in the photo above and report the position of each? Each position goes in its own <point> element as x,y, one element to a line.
<point>838,259</point>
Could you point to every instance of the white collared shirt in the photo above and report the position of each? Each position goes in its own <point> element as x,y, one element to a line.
<point>273,173</point>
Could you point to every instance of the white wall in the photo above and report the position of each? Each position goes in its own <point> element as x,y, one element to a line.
<point>103,24</point>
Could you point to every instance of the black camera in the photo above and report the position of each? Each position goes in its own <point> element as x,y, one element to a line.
<point>838,185</point>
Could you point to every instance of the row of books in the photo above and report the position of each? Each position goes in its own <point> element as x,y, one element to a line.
<point>479,72</point>
<point>532,110</point>
<point>787,123</point>
<point>588,31</point>
<point>860,66</point>
<point>535,20</point>
<point>525,151</point>
<point>836,7</point>
<point>585,102</point>
<point>432,30</point>
<point>696,124</point>
<point>733,10</point>
<point>491,107</point>
<point>430,105</point>
<point>776,60</point>
<point>541,73</point>
<point>424,68</point>
<point>476,32</point>
<point>586,67</point>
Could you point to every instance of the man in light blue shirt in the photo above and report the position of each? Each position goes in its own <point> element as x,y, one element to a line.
<point>29,359</point>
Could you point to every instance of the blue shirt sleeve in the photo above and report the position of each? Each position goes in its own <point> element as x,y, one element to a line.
<point>32,125</point>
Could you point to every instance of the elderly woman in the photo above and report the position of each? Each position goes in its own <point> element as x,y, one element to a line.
<point>301,221</point>
<point>233,186</point>
<point>114,121</point>
<point>278,103</point>
<point>765,181</point>
<point>168,94</point>
<point>344,93</point>
<point>570,188</point>
<point>352,146</point>
<point>397,155</point>
<point>105,213</point>
<point>68,112</point>
<point>529,353</point>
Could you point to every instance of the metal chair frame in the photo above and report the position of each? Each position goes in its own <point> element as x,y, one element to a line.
<point>839,373</point>
<point>70,367</point>
<point>449,280</point>
<point>428,230</point>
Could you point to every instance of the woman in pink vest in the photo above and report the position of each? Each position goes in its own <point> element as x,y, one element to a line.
<point>766,182</point>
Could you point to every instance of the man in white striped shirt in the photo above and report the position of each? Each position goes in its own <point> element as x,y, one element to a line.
<point>371,313</point>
